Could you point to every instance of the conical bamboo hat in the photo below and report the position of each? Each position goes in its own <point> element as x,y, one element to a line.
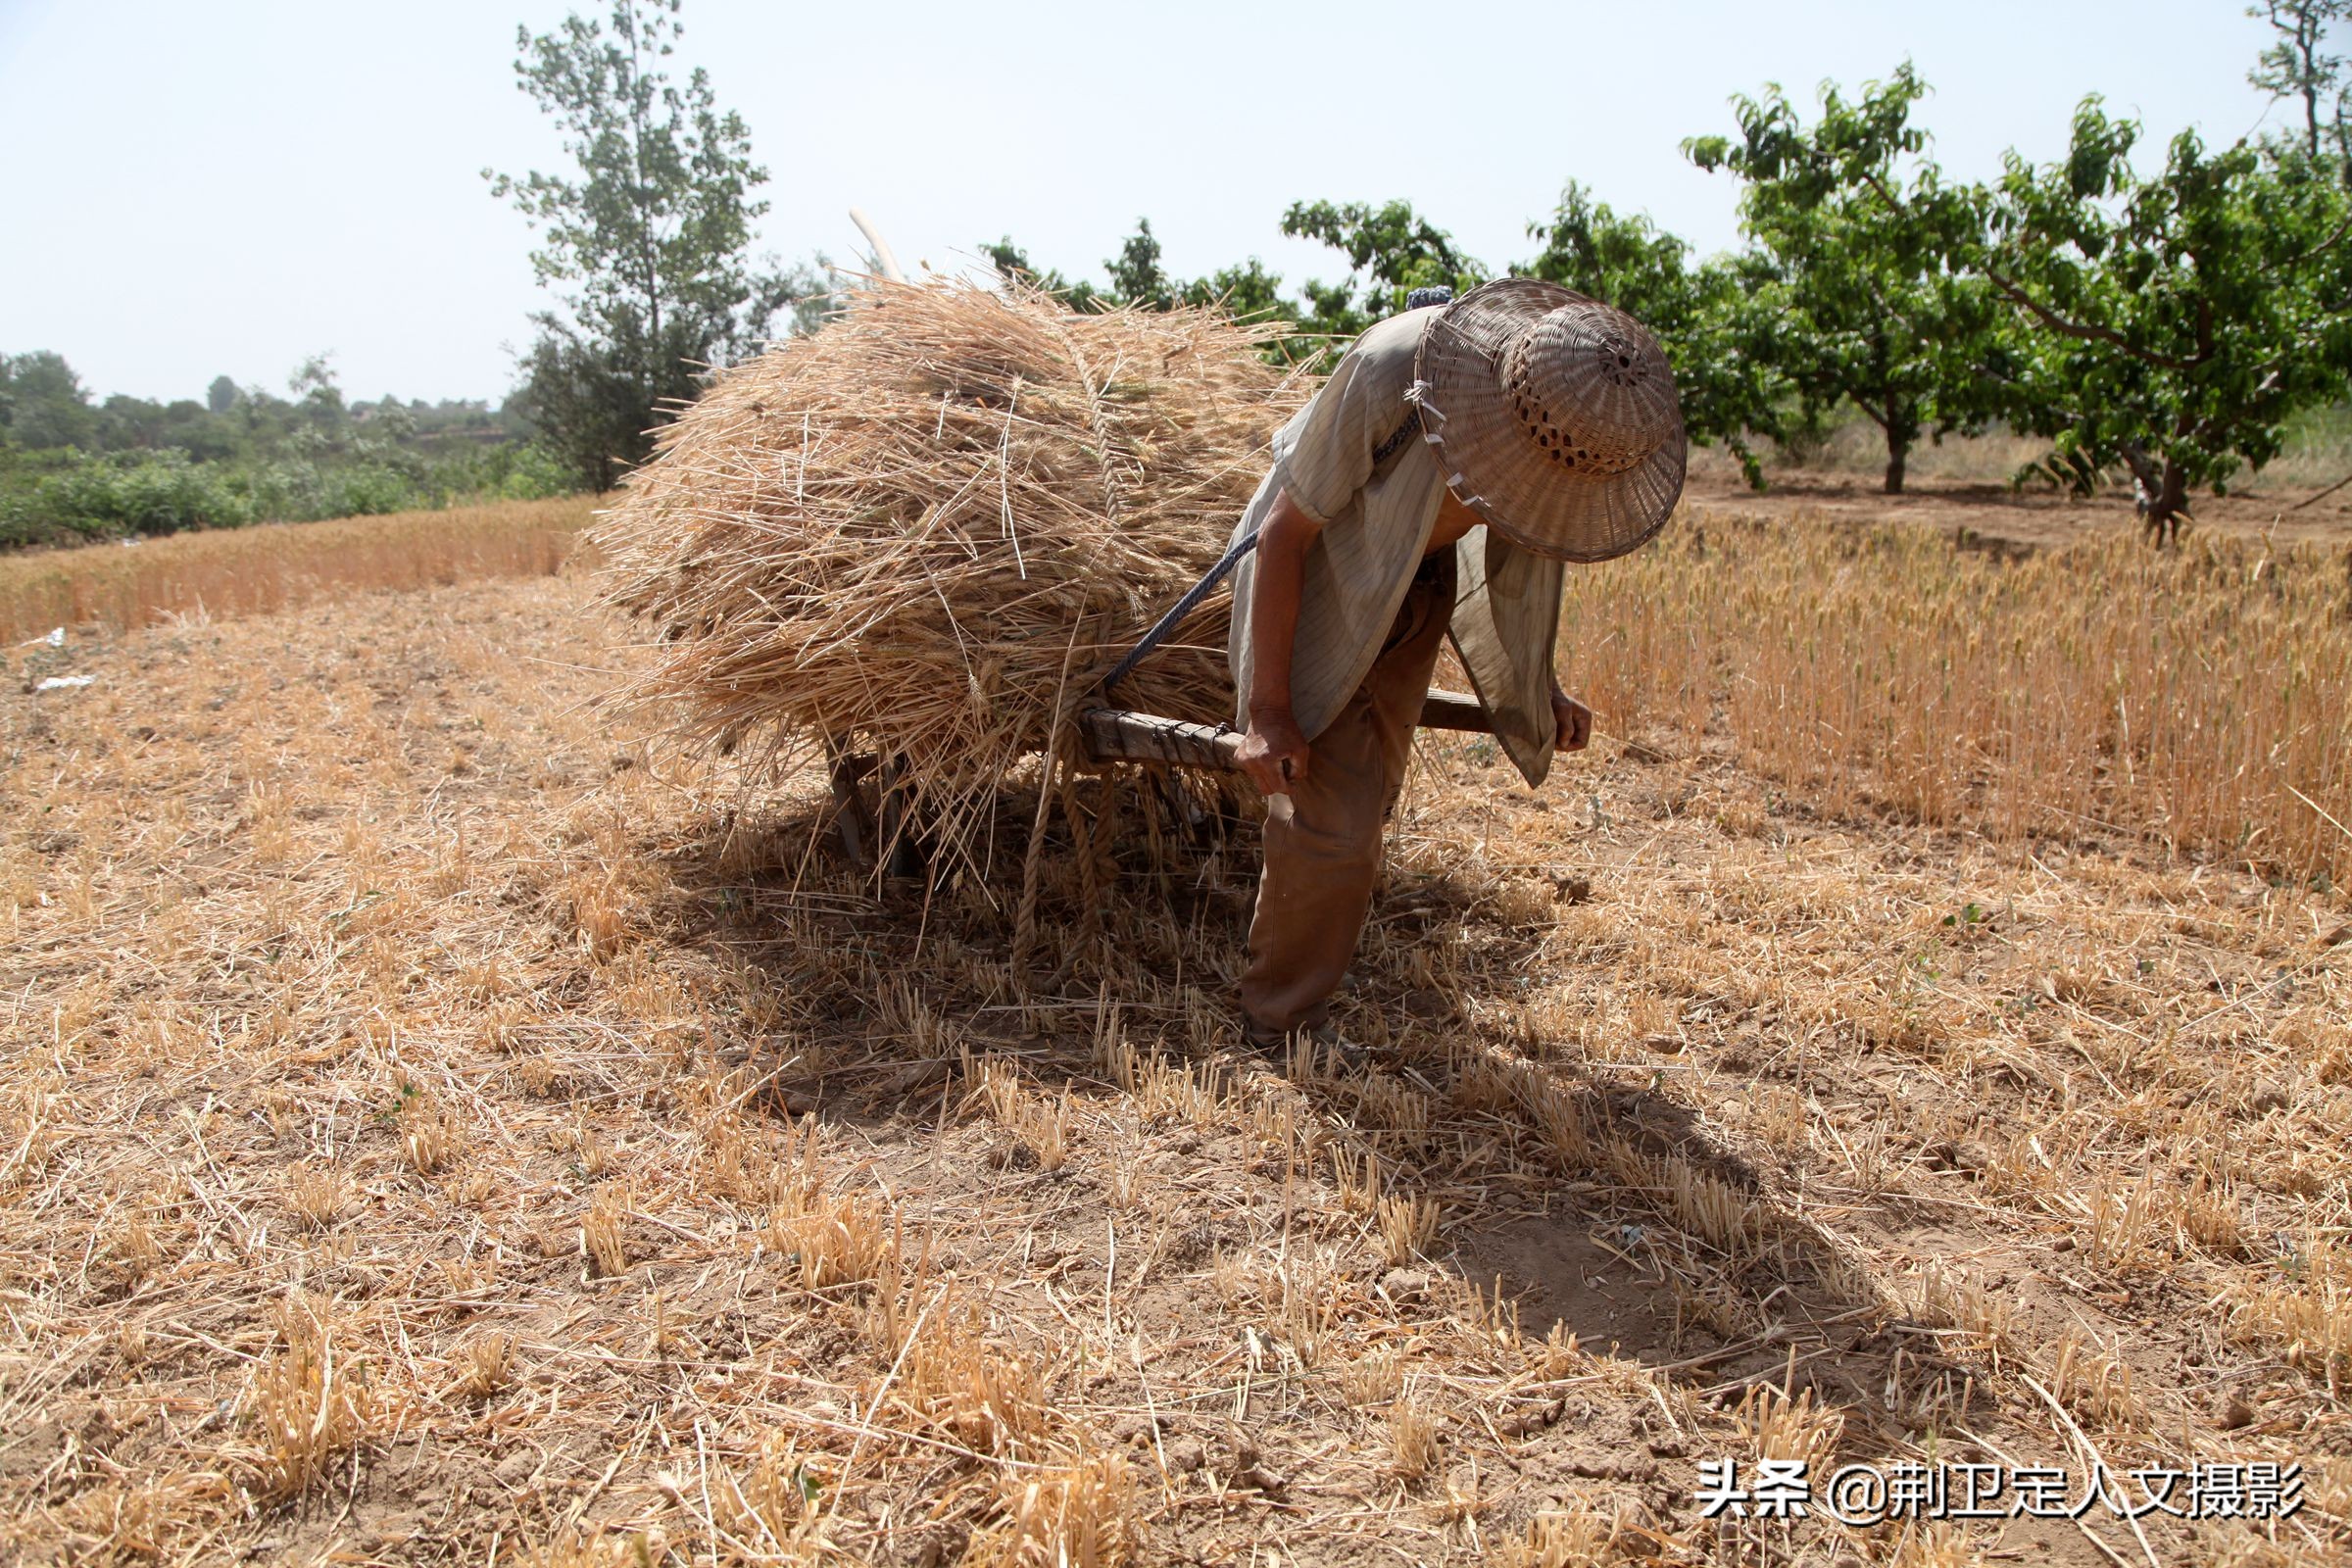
<point>1554,417</point>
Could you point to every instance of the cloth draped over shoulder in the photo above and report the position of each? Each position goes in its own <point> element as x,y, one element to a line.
<point>1375,513</point>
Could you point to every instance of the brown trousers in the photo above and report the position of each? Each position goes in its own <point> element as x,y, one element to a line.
<point>1322,865</point>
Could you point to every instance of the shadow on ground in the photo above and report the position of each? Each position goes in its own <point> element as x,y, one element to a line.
<point>1593,1207</point>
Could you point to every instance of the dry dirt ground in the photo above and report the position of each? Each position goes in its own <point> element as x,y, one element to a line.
<point>439,1127</point>
<point>2031,518</point>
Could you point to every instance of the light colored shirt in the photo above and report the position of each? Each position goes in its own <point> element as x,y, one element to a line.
<point>1376,519</point>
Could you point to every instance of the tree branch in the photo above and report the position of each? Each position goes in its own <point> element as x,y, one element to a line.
<point>1870,177</point>
<point>2089,334</point>
<point>2341,230</point>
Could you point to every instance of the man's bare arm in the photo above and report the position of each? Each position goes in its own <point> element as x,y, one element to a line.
<point>1276,583</point>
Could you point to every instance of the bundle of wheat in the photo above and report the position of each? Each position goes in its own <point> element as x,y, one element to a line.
<point>928,529</point>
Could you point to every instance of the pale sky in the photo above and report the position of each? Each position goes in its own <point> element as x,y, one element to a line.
<point>191,191</point>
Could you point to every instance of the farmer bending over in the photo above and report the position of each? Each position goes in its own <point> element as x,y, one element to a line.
<point>1458,456</point>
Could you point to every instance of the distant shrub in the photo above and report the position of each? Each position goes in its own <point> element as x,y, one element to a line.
<point>302,490</point>
<point>534,473</point>
<point>75,498</point>
<point>64,495</point>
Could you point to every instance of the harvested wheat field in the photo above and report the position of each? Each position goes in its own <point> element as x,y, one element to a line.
<point>241,572</point>
<point>439,1126</point>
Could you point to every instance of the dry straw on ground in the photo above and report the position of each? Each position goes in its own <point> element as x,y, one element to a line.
<point>360,985</point>
<point>241,572</point>
<point>929,527</point>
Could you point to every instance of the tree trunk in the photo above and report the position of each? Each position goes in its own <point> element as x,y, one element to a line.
<point>2171,505</point>
<point>1896,453</point>
<point>2159,495</point>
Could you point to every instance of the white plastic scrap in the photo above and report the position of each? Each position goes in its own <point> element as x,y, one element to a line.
<point>59,683</point>
<point>54,638</point>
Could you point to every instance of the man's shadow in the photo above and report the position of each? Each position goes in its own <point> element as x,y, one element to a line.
<point>1619,1218</point>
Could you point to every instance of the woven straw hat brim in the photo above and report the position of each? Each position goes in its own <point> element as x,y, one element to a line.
<point>1490,460</point>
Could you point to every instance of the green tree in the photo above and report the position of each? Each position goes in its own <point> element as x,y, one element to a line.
<point>318,394</point>
<point>43,402</point>
<point>1715,320</point>
<point>222,394</point>
<point>133,425</point>
<point>2299,65</point>
<point>650,237</point>
<point>1390,251</point>
<point>1247,292</point>
<point>389,419</point>
<point>1862,261</point>
<point>1137,277</point>
<point>1013,264</point>
<point>2169,324</point>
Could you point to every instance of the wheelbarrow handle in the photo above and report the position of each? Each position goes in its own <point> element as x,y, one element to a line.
<point>1116,735</point>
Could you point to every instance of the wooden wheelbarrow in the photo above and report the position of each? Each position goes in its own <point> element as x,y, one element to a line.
<point>1109,735</point>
